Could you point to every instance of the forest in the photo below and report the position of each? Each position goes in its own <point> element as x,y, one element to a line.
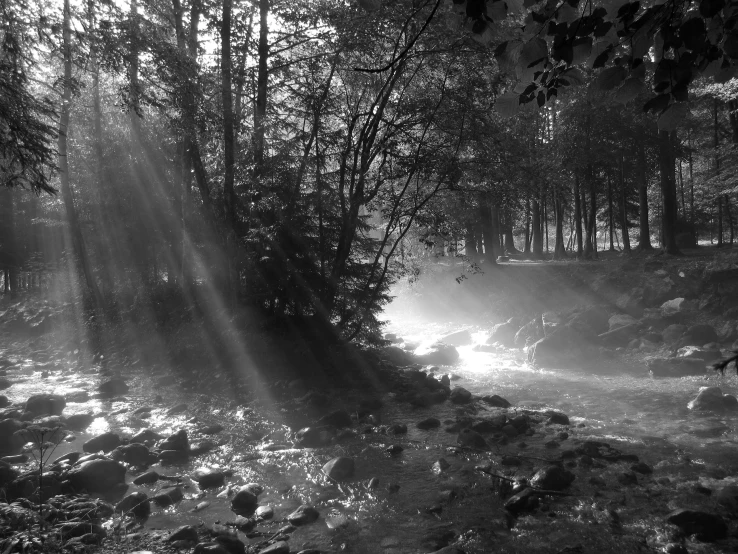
<point>399,276</point>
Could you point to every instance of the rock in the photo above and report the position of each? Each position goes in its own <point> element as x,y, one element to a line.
<point>459,338</point>
<point>213,429</point>
<point>627,478</point>
<point>552,478</point>
<point>557,418</point>
<point>440,465</point>
<point>701,334</point>
<point>245,500</point>
<point>642,468</point>
<point>429,423</point>
<point>675,367</point>
<point>79,422</point>
<point>45,404</point>
<point>209,478</point>
<point>471,439</point>
<point>178,409</point>
<point>146,478</point>
<point>447,550</point>
<point>113,387</point>
<point>496,401</point>
<point>135,454</point>
<point>397,356</point>
<point>398,429</point>
<point>394,449</point>
<point>5,383</point>
<point>438,354</point>
<point>529,333</point>
<point>504,333</point>
<point>699,353</point>
<point>279,547</point>
<point>631,302</point>
<point>105,443</point>
<point>727,497</point>
<point>673,307</point>
<point>522,501</point>
<point>231,544</point>
<point>620,320</point>
<point>177,441</point>
<point>460,395</point>
<point>136,503</point>
<point>97,476</point>
<point>706,526</point>
<point>146,436</point>
<point>673,333</point>
<point>4,401</point>
<point>315,437</point>
<point>168,497</point>
<point>338,418</point>
<point>563,347</point>
<point>10,441</point>
<point>510,431</point>
<point>712,399</point>
<point>728,333</point>
<point>592,320</point>
<point>173,457</point>
<point>303,515</point>
<point>184,533</point>
<point>619,336</point>
<point>264,512</point>
<point>339,468</point>
<point>210,548</point>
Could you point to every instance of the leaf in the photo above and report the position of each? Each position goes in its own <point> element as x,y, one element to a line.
<point>510,55</point>
<point>629,90</point>
<point>574,76</point>
<point>641,46</point>
<point>482,32</point>
<point>370,5</point>
<point>713,68</point>
<point>675,115</point>
<point>533,51</point>
<point>639,71</point>
<point>598,49</point>
<point>657,104</point>
<point>497,11</point>
<point>582,50</point>
<point>508,104</point>
<point>613,7</point>
<point>566,13</point>
<point>710,8</point>
<point>541,99</point>
<point>610,78</point>
<point>515,6</point>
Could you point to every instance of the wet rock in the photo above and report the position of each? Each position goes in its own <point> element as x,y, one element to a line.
<point>45,404</point>
<point>496,401</point>
<point>523,501</point>
<point>471,439</point>
<point>552,478</point>
<point>700,334</point>
<point>10,441</point>
<point>528,334</point>
<point>231,544</point>
<point>510,431</point>
<point>264,512</point>
<point>429,423</point>
<point>620,320</point>
<point>727,497</point>
<point>97,476</point>
<point>146,478</point>
<point>135,454</point>
<point>394,449</point>
<point>279,547</point>
<point>558,418</point>
<point>113,387</point>
<point>178,409</point>
<point>562,347</point>
<point>440,465</point>
<point>706,526</point>
<point>174,457</point>
<point>642,467</point>
<point>303,515</point>
<point>673,333</point>
<point>699,353</point>
<point>713,399</point>
<point>459,338</point>
<point>619,336</point>
<point>184,533</point>
<point>315,437</point>
<point>213,429</point>
<point>209,478</point>
<point>79,422</point>
<point>398,429</point>
<point>4,401</point>
<point>105,443</point>
<point>5,383</point>
<point>504,333</point>
<point>177,441</point>
<point>244,501</point>
<point>673,307</point>
<point>146,436</point>
<point>168,497</point>
<point>338,418</point>
<point>136,503</point>
<point>210,548</point>
<point>339,468</point>
<point>460,395</point>
<point>438,354</point>
<point>675,367</point>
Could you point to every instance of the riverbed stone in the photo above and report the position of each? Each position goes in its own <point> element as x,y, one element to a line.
<point>700,334</point>
<point>460,395</point>
<point>552,478</point>
<point>675,367</point>
<point>706,526</point>
<point>521,502</point>
<point>147,478</point>
<point>339,468</point>
<point>113,387</point>
<point>45,404</point>
<point>184,533</point>
<point>135,454</point>
<point>210,547</point>
<point>136,503</point>
<point>279,547</point>
<point>471,439</point>
<point>315,437</point>
<point>699,353</point>
<point>429,423</point>
<point>495,401</point>
<point>557,418</point>
<point>303,515</point>
<point>176,441</point>
<point>619,336</point>
<point>458,338</point>
<point>169,497</point>
<point>97,476</point>
<point>79,422</point>
<point>10,441</point>
<point>528,334</point>
<point>104,442</point>
<point>438,354</point>
<point>562,347</point>
<point>245,500</point>
<point>713,399</point>
<point>504,333</point>
<point>620,320</point>
<point>146,436</point>
<point>337,418</point>
<point>209,478</point>
<point>673,333</point>
<point>173,457</point>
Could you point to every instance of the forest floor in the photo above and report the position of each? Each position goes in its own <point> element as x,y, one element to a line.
<point>461,471</point>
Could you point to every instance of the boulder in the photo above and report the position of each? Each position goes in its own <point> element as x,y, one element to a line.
<point>551,321</point>
<point>591,320</point>
<point>303,515</point>
<point>620,320</point>
<point>471,439</point>
<point>211,547</point>
<point>45,404</point>
<point>495,400</point>
<point>209,478</point>
<point>176,441</point>
<point>136,503</point>
<point>113,387</point>
<point>460,395</point>
<point>339,468</point>
<point>674,306</point>
<point>429,423</point>
<point>631,302</point>
<point>315,437</point>
<point>701,334</point>
<point>79,422</point>
<point>168,497</point>
<point>552,478</point>
<point>97,476</point>
<point>529,333</point>
<point>504,333</point>
<point>135,454</point>
<point>10,442</point>
<point>699,353</point>
<point>245,500</point>
<point>105,443</point>
<point>397,356</point>
<point>4,401</point>
<point>337,418</point>
<point>185,533</point>
<point>438,354</point>
<point>561,348</point>
<point>675,367</point>
<point>458,338</point>
<point>279,547</point>
<point>712,399</point>
<point>706,526</point>
<point>673,333</point>
<point>619,336</point>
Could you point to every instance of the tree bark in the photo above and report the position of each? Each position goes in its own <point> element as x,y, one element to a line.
<point>509,238</point>
<point>526,247</point>
<point>488,231</point>
<point>470,242</point>
<point>578,216</point>
<point>261,91</point>
<point>559,248</point>
<point>229,147</point>
<point>644,242</point>
<point>611,219</point>
<point>624,206</point>
<point>536,224</point>
<point>64,113</point>
<point>669,193</point>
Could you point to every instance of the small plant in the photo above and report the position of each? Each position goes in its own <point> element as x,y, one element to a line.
<point>722,365</point>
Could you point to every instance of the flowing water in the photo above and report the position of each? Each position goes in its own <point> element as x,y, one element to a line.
<point>641,415</point>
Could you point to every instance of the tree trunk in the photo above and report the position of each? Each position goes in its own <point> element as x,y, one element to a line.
<point>559,248</point>
<point>624,206</point>
<point>578,216</point>
<point>729,216</point>
<point>669,193</point>
<point>470,243</point>
<point>590,243</point>
<point>485,216</point>
<point>611,220</point>
<point>229,147</point>
<point>509,238</point>
<point>64,113</point>
<point>536,224</point>
<point>716,145</point>
<point>544,225</point>
<point>733,116</point>
<point>261,91</point>
<point>526,247</point>
<point>496,234</point>
<point>644,242</point>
